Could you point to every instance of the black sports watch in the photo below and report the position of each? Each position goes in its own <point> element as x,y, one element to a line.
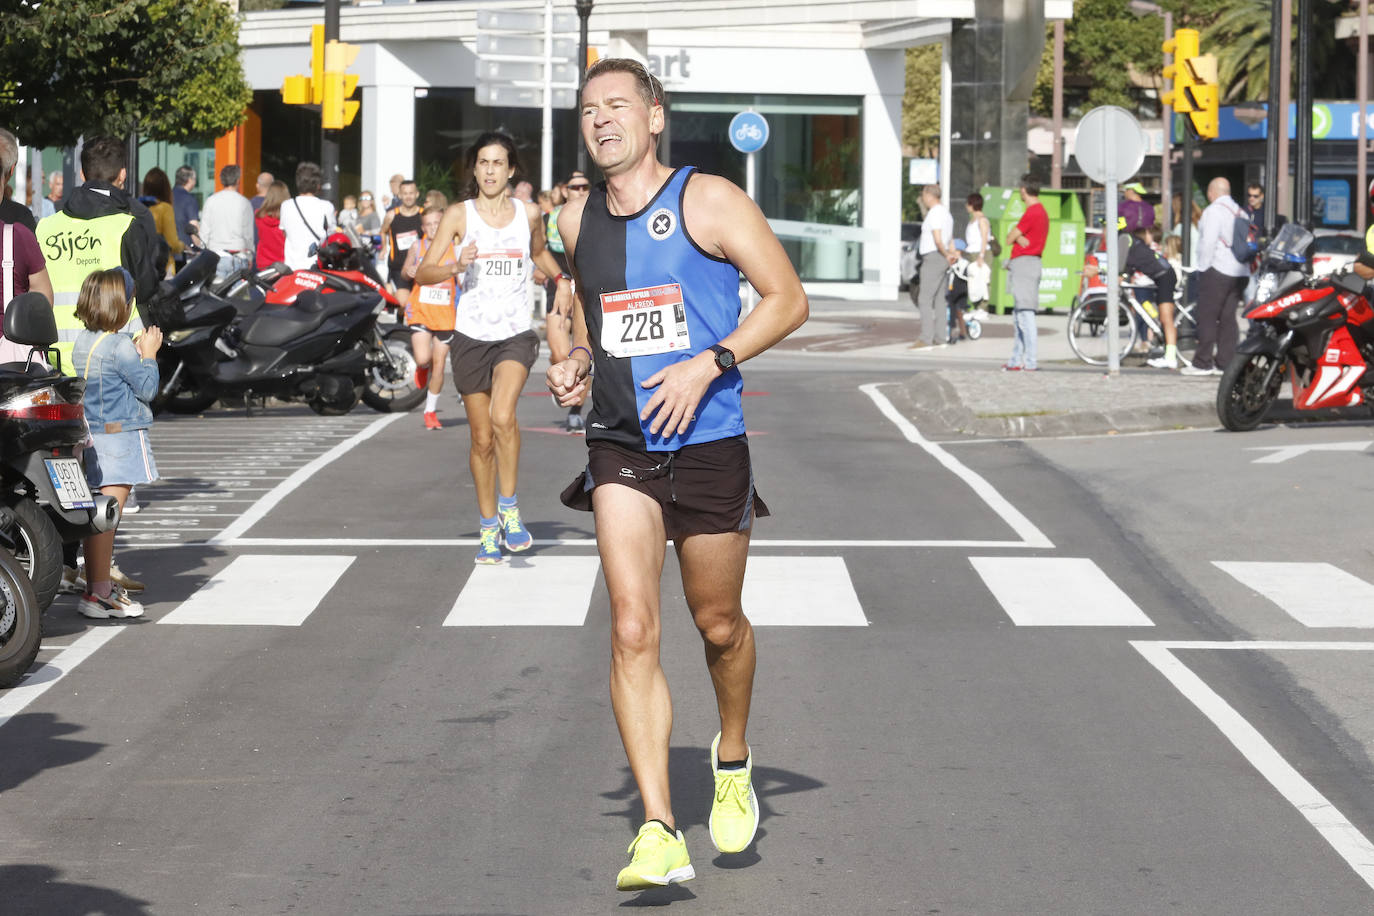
<point>725,357</point>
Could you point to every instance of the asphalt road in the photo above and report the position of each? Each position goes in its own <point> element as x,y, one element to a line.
<point>995,677</point>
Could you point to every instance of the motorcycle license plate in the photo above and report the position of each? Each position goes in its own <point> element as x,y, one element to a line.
<point>69,480</point>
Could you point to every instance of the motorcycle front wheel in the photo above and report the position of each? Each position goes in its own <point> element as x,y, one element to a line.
<point>390,384</point>
<point>1244,396</point>
<point>21,621</point>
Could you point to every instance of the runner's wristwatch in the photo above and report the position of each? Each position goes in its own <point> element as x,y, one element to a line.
<point>725,357</point>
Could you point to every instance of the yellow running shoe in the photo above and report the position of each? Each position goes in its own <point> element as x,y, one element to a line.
<point>657,857</point>
<point>735,810</point>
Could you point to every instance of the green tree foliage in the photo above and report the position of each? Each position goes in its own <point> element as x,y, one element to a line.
<point>921,101</point>
<point>1238,34</point>
<point>168,69</point>
<point>1104,43</point>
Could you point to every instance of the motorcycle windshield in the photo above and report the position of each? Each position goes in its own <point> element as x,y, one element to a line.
<point>1291,240</point>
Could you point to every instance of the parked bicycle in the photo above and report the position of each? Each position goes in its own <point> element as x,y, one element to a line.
<point>1088,329</point>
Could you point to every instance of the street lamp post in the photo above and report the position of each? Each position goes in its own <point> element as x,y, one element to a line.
<point>584,12</point>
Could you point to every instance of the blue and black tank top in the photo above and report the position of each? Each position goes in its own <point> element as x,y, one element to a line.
<point>652,298</point>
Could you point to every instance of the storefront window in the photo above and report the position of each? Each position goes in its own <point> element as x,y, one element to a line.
<point>810,171</point>
<point>447,121</point>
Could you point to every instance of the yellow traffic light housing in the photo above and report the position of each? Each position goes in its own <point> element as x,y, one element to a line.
<point>308,90</point>
<point>1204,96</point>
<point>337,109</point>
<point>1184,47</point>
<point>295,90</point>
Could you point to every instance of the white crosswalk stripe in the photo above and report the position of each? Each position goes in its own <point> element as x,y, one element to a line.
<point>1314,594</point>
<point>527,591</point>
<point>262,591</point>
<point>1058,592</point>
<point>801,592</point>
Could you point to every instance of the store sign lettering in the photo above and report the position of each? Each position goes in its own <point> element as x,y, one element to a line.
<point>661,66</point>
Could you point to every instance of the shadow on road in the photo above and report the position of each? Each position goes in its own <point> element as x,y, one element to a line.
<point>36,890</point>
<point>35,742</point>
<point>689,773</point>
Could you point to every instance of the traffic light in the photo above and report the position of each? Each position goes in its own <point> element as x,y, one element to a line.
<point>337,109</point>
<point>1204,96</point>
<point>1184,47</point>
<point>308,90</point>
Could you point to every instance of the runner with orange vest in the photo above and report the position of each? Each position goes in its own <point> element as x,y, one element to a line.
<point>430,312</point>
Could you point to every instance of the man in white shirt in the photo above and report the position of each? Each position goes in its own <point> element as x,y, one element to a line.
<point>1221,283</point>
<point>936,253</point>
<point>226,224</point>
<point>306,219</point>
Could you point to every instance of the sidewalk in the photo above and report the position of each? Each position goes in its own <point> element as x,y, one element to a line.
<point>960,391</point>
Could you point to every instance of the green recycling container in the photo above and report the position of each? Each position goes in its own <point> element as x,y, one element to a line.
<point>1063,255</point>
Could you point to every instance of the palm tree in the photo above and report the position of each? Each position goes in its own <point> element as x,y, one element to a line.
<point>1239,37</point>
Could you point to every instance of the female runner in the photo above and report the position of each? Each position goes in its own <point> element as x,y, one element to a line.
<point>494,345</point>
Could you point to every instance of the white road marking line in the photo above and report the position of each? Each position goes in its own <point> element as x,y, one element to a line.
<point>1111,435</point>
<point>585,542</point>
<point>1058,592</point>
<point>1335,828</point>
<point>38,680</point>
<point>1281,453</point>
<point>262,591</point>
<point>1030,535</point>
<point>1314,594</point>
<point>527,591</point>
<point>801,592</point>
<point>269,500</point>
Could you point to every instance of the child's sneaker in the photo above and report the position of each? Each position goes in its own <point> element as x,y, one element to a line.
<point>125,581</point>
<point>118,604</point>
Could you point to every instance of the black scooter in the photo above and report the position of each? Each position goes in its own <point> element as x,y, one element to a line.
<point>313,336</point>
<point>42,428</point>
<point>21,619</point>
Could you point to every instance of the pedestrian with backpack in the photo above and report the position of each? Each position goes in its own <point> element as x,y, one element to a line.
<point>1222,283</point>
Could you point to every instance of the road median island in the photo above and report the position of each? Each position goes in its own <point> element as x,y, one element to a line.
<point>978,403</point>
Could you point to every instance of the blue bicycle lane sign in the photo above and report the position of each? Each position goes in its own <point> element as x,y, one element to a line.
<point>748,131</point>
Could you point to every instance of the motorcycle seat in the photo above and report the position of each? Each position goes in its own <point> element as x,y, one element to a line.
<point>274,327</point>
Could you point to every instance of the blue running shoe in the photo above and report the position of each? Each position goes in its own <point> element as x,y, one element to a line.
<point>517,536</point>
<point>489,550</point>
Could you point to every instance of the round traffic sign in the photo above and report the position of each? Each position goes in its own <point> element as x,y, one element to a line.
<point>748,131</point>
<point>1109,144</point>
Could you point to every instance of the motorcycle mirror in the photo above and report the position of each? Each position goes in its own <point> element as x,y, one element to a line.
<point>313,250</point>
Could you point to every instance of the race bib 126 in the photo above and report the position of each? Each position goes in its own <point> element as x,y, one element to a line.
<point>642,322</point>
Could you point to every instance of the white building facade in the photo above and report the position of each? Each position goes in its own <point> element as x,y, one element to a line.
<point>829,76</point>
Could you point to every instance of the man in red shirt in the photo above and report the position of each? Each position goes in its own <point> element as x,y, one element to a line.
<point>1026,241</point>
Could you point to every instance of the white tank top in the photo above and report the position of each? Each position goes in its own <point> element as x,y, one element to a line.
<point>973,238</point>
<point>495,303</point>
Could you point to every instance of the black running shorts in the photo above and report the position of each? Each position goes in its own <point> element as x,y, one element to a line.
<point>474,360</point>
<point>702,489</point>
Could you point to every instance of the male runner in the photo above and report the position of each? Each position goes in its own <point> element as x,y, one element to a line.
<point>656,254</point>
<point>401,230</point>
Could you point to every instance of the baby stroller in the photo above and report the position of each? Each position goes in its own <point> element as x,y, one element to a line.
<point>963,321</point>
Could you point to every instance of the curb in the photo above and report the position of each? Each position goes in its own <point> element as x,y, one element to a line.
<point>933,402</point>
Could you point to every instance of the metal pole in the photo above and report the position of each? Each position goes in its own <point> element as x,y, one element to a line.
<point>546,126</point>
<point>1187,217</point>
<point>1113,283</point>
<point>1166,164</point>
<point>584,12</point>
<point>1057,153</point>
<point>1361,152</point>
<point>1285,78</point>
<point>131,170</point>
<point>1276,128</point>
<point>329,139</point>
<point>1302,164</point>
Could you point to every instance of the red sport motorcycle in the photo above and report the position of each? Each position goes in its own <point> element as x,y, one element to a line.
<point>1316,333</point>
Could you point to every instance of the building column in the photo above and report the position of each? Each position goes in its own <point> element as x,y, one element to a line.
<point>388,131</point>
<point>882,174</point>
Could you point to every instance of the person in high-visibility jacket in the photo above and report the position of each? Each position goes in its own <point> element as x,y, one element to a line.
<point>100,227</point>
